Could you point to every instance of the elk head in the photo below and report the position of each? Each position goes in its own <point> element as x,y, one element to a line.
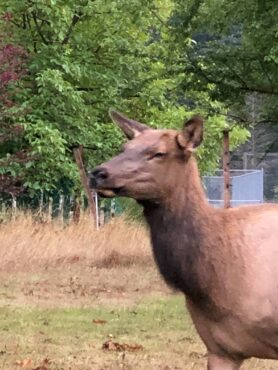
<point>150,162</point>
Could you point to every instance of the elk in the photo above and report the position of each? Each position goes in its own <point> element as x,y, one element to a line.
<point>223,260</point>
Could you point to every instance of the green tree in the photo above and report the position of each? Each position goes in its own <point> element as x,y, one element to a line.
<point>82,59</point>
<point>234,51</point>
<point>85,56</point>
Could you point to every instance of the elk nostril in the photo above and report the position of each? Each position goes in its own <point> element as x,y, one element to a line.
<point>100,173</point>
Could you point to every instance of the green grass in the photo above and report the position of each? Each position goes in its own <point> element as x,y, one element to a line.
<point>70,340</point>
<point>55,281</point>
<point>149,315</point>
<point>69,337</point>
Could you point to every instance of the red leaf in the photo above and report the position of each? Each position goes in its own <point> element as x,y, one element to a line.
<point>98,321</point>
<point>117,347</point>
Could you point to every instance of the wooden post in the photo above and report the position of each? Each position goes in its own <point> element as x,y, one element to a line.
<point>78,154</point>
<point>14,206</point>
<point>61,208</point>
<point>226,170</point>
<point>41,204</point>
<point>76,209</point>
<point>96,210</point>
<point>50,209</point>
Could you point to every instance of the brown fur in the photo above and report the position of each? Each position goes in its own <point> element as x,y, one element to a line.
<point>224,261</point>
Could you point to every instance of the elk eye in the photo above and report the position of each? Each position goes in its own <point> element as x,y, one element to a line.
<point>159,155</point>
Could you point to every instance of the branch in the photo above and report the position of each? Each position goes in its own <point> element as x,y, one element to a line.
<point>267,150</point>
<point>87,89</point>
<point>158,17</point>
<point>190,13</point>
<point>267,121</point>
<point>267,74</point>
<point>43,20</point>
<point>76,17</point>
<point>38,28</point>
<point>247,88</point>
<point>94,147</point>
<point>92,102</point>
<point>235,118</point>
<point>236,75</point>
<point>213,80</point>
<point>17,24</point>
<point>259,90</point>
<point>28,21</point>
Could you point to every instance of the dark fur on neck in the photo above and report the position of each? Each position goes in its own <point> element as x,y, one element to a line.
<point>178,236</point>
<point>177,248</point>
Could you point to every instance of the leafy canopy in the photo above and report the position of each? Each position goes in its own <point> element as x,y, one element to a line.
<point>85,56</point>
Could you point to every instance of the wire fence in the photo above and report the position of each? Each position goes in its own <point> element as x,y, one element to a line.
<point>247,187</point>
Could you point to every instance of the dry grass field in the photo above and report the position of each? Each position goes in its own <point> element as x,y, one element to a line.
<point>75,298</point>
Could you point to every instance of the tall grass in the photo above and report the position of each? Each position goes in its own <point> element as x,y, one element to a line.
<point>25,242</point>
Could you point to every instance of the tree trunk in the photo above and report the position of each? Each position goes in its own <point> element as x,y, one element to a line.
<point>226,170</point>
<point>78,154</point>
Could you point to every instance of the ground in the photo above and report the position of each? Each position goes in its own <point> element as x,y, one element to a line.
<point>74,298</point>
<point>81,317</point>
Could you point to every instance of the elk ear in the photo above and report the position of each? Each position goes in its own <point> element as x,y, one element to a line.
<point>130,127</point>
<point>192,134</point>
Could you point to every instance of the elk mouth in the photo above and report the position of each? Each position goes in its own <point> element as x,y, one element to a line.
<point>110,192</point>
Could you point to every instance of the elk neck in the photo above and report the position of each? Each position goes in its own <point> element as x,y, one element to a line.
<point>183,233</point>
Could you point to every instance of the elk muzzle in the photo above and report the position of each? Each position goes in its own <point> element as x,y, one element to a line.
<point>100,181</point>
<point>97,177</point>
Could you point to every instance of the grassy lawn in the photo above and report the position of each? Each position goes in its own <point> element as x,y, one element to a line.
<point>70,339</point>
<point>64,292</point>
<point>157,334</point>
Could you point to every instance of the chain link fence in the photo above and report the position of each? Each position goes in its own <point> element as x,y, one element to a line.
<point>247,187</point>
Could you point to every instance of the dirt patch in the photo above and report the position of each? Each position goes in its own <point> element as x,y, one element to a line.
<point>81,284</point>
<point>115,259</point>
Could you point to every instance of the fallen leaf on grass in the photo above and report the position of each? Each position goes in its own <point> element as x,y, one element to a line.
<point>98,321</point>
<point>196,355</point>
<point>29,292</point>
<point>187,339</point>
<point>47,340</point>
<point>27,363</point>
<point>118,347</point>
<point>44,365</point>
<point>73,259</point>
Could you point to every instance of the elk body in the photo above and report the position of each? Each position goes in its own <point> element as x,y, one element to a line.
<point>224,261</point>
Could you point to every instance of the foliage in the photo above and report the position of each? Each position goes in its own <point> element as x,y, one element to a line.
<point>83,57</point>
<point>234,53</point>
<point>12,69</point>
